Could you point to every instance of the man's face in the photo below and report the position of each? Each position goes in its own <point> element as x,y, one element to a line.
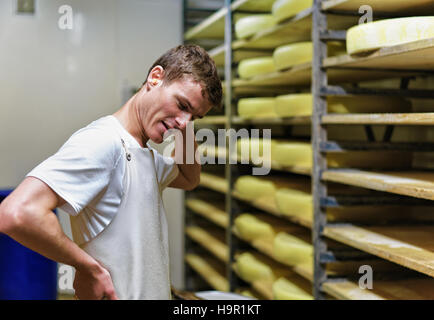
<point>172,106</point>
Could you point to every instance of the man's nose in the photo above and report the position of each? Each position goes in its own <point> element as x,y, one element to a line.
<point>183,119</point>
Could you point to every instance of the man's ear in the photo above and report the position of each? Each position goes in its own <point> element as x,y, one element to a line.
<point>155,77</point>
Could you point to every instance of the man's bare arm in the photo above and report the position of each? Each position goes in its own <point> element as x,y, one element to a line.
<point>26,216</point>
<point>189,174</point>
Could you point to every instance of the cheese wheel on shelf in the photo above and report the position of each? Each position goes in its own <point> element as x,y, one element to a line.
<point>292,153</point>
<point>292,54</point>
<point>256,150</point>
<point>283,9</point>
<point>292,105</point>
<point>250,227</point>
<point>258,5</point>
<point>257,108</point>
<point>252,188</point>
<point>294,202</point>
<point>384,33</point>
<point>291,250</point>
<point>249,68</point>
<point>250,268</point>
<point>250,25</point>
<point>283,289</point>
<point>301,52</point>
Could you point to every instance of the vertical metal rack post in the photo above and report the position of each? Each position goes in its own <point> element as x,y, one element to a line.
<point>230,170</point>
<point>319,135</point>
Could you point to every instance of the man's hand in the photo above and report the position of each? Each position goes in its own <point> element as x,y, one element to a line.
<point>94,284</point>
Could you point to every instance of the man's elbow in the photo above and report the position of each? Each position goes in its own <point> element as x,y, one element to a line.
<point>193,184</point>
<point>12,217</point>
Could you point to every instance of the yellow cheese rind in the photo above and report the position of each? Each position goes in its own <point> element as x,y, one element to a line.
<point>248,26</point>
<point>258,5</point>
<point>250,269</point>
<point>286,290</point>
<point>283,9</point>
<point>294,202</point>
<point>257,108</point>
<point>292,105</point>
<point>292,54</point>
<point>249,68</point>
<point>290,250</point>
<point>250,228</point>
<point>292,153</point>
<point>252,188</point>
<point>257,150</point>
<point>384,33</point>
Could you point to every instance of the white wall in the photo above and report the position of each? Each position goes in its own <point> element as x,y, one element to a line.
<point>53,82</point>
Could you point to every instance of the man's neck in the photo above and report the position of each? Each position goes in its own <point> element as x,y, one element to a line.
<point>128,116</point>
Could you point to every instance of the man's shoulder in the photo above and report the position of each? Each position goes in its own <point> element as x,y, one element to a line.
<point>100,139</point>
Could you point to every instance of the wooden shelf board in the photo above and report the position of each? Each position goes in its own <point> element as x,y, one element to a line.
<point>210,241</point>
<point>417,55</point>
<point>209,211</point>
<point>212,273</point>
<point>409,246</point>
<point>416,184</point>
<point>426,118</point>
<point>381,6</point>
<point>412,289</point>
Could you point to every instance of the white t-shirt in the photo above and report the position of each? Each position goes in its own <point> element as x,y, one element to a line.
<point>88,173</point>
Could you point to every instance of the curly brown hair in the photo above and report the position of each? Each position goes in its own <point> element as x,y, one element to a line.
<point>196,62</point>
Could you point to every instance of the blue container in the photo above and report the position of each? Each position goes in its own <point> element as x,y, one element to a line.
<point>25,274</point>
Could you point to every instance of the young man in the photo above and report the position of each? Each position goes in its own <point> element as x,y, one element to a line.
<point>110,180</point>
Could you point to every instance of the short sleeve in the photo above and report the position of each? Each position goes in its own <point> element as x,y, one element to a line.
<point>81,168</point>
<point>167,169</point>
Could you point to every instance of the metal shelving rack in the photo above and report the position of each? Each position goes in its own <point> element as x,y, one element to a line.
<point>321,89</point>
<point>412,190</point>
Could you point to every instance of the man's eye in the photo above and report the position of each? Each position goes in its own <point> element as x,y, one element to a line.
<point>182,107</point>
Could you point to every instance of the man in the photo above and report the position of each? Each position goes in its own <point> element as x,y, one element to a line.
<point>110,180</point>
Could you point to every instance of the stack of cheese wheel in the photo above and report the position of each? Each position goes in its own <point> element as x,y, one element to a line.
<point>289,153</point>
<point>249,68</point>
<point>291,250</point>
<point>283,9</point>
<point>283,289</point>
<point>384,33</point>
<point>292,105</point>
<point>250,25</point>
<point>255,150</point>
<point>252,188</point>
<point>257,107</point>
<point>253,267</point>
<point>301,52</point>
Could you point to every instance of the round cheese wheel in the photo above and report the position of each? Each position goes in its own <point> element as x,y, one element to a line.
<point>248,26</point>
<point>292,105</point>
<point>257,108</point>
<point>249,68</point>
<point>250,228</point>
<point>390,32</point>
<point>252,269</point>
<point>256,150</point>
<point>283,9</point>
<point>257,5</point>
<point>294,202</point>
<point>251,188</point>
<point>292,153</point>
<point>291,250</point>
<point>292,54</point>
<point>284,289</point>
